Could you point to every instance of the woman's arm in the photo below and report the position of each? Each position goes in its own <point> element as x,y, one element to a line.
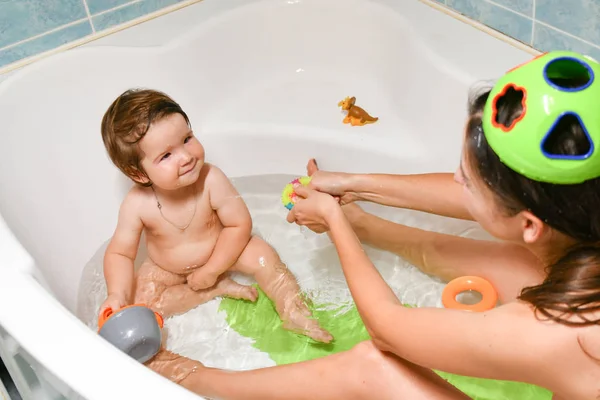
<point>507,266</point>
<point>435,193</point>
<point>489,345</point>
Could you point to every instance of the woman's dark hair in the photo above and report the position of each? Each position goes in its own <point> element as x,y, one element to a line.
<point>572,286</point>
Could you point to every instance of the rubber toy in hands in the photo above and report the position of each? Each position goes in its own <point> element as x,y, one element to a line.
<point>134,329</point>
<point>289,196</point>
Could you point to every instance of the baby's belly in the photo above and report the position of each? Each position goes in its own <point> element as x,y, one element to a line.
<point>183,257</point>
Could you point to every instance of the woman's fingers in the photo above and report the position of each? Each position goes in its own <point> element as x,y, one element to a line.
<point>302,191</point>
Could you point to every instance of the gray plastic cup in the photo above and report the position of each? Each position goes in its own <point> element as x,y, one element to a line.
<point>135,330</point>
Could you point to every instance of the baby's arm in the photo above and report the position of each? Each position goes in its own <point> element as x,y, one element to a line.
<point>121,252</point>
<point>236,233</point>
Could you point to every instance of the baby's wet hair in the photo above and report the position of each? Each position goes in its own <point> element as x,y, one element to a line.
<point>126,122</point>
<point>571,290</point>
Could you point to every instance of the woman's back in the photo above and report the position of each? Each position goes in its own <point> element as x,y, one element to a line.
<point>565,359</point>
<point>584,365</point>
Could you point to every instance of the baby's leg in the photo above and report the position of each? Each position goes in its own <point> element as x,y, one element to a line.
<point>168,293</point>
<point>261,261</point>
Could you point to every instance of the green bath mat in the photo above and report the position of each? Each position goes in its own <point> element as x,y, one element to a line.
<point>261,322</point>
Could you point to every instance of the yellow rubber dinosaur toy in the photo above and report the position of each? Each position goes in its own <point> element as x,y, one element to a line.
<point>356,115</point>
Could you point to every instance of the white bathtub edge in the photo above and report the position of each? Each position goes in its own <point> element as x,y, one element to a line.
<point>52,350</point>
<point>12,253</point>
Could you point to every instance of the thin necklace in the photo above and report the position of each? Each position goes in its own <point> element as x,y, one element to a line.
<point>183,228</point>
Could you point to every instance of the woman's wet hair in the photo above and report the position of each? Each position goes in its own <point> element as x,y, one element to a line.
<point>571,291</point>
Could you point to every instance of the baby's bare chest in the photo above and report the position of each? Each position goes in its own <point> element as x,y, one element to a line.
<point>181,250</point>
<point>204,222</point>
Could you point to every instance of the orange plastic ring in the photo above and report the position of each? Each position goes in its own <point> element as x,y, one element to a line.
<point>489,296</point>
<point>108,312</point>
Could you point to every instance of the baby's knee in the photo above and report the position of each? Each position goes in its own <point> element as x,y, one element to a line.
<point>257,248</point>
<point>257,256</point>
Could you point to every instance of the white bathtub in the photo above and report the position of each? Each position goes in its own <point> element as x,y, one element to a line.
<point>260,81</point>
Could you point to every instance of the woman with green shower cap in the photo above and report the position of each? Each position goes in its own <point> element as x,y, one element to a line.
<point>530,175</point>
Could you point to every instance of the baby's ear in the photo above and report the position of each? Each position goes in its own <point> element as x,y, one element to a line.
<point>139,177</point>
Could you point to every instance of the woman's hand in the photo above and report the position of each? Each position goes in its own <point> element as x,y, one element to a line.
<point>313,209</point>
<point>336,184</point>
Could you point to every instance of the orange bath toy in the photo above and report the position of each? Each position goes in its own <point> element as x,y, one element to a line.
<point>356,115</point>
<point>489,296</point>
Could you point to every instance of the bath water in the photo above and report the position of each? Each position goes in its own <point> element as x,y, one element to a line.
<point>203,333</point>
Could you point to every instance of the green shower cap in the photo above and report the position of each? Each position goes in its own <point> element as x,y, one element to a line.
<point>548,103</point>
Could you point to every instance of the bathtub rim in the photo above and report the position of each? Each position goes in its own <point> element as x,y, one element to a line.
<point>94,38</point>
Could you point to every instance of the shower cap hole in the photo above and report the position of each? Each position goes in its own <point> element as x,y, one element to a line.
<point>568,138</point>
<point>509,107</point>
<point>568,74</point>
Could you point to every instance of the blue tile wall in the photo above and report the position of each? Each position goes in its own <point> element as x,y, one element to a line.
<point>97,6</point>
<point>498,18</point>
<point>46,42</point>
<point>21,19</point>
<point>543,24</point>
<point>29,27</point>
<point>124,14</point>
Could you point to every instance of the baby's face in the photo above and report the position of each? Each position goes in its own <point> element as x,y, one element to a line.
<point>173,157</point>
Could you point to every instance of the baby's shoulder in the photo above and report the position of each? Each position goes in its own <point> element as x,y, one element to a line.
<point>213,171</point>
<point>213,175</point>
<point>136,200</point>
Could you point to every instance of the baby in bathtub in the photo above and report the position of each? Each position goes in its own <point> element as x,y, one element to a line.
<point>197,226</point>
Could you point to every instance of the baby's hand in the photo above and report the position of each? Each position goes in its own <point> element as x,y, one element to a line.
<point>114,302</point>
<point>202,279</point>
